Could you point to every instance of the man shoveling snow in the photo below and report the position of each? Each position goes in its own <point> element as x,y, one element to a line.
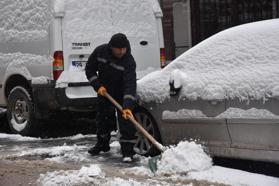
<point>111,69</point>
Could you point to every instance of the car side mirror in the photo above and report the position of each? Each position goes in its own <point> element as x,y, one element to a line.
<point>174,91</point>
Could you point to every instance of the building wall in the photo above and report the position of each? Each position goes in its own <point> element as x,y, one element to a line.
<point>211,16</point>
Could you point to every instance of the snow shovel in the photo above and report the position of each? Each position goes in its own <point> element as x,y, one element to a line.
<point>152,163</point>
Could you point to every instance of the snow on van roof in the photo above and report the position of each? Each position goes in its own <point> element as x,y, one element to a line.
<point>240,62</point>
<point>104,18</point>
<point>24,20</point>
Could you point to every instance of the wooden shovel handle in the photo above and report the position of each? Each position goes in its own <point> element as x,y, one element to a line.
<point>137,124</point>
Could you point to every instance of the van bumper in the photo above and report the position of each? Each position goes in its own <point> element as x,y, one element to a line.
<point>49,101</point>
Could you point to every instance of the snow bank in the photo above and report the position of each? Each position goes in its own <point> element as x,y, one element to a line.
<point>234,177</point>
<point>184,158</point>
<point>240,62</point>
<point>122,182</point>
<point>85,175</point>
<point>24,20</point>
<point>17,137</point>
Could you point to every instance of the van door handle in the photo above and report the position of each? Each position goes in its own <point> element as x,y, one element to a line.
<point>144,43</point>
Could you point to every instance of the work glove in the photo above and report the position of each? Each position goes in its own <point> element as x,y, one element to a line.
<point>127,113</point>
<point>102,90</point>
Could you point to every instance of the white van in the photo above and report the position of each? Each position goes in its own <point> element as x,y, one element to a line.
<point>45,44</point>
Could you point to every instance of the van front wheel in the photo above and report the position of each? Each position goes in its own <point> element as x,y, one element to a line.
<point>20,111</point>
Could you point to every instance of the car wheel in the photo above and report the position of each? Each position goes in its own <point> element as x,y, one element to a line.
<point>20,111</point>
<point>143,146</point>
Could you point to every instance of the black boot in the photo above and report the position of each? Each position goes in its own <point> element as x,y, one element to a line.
<point>127,151</point>
<point>99,147</point>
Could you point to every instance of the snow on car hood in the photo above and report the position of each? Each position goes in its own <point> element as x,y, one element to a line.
<point>240,62</point>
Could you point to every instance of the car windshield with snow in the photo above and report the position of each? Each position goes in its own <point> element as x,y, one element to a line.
<point>222,93</point>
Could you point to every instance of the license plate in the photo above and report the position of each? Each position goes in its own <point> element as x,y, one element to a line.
<point>79,64</point>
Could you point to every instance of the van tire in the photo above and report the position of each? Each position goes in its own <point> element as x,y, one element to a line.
<point>150,125</point>
<point>20,111</point>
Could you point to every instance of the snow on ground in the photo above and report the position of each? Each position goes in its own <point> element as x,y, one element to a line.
<point>234,177</point>
<point>53,151</point>
<point>180,164</point>
<point>17,137</point>
<point>240,62</point>
<point>85,175</point>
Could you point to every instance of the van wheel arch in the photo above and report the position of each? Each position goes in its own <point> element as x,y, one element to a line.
<point>16,80</point>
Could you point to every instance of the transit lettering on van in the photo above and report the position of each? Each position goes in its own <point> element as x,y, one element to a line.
<point>80,46</point>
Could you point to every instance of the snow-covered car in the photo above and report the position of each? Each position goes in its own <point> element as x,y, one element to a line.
<point>223,93</point>
<point>45,44</point>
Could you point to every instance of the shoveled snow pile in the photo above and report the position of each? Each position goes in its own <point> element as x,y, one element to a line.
<point>240,62</point>
<point>85,175</point>
<point>24,20</point>
<point>188,161</point>
<point>183,158</point>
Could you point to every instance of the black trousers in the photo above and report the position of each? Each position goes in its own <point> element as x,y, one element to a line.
<point>106,122</point>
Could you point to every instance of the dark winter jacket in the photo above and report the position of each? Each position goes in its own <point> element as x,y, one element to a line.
<point>118,76</point>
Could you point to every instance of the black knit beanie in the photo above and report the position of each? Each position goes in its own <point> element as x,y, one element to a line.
<point>119,40</point>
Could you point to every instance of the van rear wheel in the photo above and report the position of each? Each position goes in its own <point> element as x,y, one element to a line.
<point>20,111</point>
